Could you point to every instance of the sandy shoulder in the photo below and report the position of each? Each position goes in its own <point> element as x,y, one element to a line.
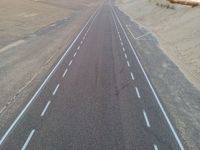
<point>33,35</point>
<point>177,30</point>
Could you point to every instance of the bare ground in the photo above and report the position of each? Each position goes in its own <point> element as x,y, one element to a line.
<point>177,30</point>
<point>173,63</point>
<point>33,34</point>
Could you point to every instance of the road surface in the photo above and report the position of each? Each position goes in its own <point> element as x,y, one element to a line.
<point>97,97</point>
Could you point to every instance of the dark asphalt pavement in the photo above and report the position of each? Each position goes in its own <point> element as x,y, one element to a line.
<point>97,98</point>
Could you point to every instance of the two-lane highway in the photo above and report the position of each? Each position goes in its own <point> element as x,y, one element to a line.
<point>97,96</point>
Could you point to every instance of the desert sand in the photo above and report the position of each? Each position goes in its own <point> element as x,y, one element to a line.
<point>21,17</point>
<point>33,35</point>
<point>177,29</point>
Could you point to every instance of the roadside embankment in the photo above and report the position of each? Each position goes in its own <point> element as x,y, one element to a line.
<point>33,34</point>
<point>173,63</point>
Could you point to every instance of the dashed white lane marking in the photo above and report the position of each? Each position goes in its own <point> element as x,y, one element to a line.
<point>55,90</point>
<point>78,48</point>
<point>33,98</point>
<point>128,63</point>
<point>28,140</point>
<point>155,147</point>
<point>84,38</point>
<point>132,76</point>
<point>122,44</point>
<point>155,95</point>
<point>85,34</point>
<point>120,39</point>
<point>138,93</point>
<point>65,73</point>
<point>123,49</point>
<point>81,42</point>
<point>70,62</point>
<point>45,108</point>
<point>146,119</point>
<point>125,55</point>
<point>75,54</point>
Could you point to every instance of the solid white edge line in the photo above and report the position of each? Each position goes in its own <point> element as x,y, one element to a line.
<point>138,93</point>
<point>155,147</point>
<point>155,95</point>
<point>93,16</point>
<point>146,118</point>
<point>65,73</point>
<point>132,76</point>
<point>28,140</point>
<point>131,33</point>
<point>142,35</point>
<point>45,108</point>
<point>70,62</point>
<point>55,90</point>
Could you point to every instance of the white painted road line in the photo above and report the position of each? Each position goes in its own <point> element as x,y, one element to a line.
<point>147,33</point>
<point>131,33</point>
<point>150,85</point>
<point>45,108</point>
<point>28,140</point>
<point>128,63</point>
<point>78,48</point>
<point>75,54</point>
<point>138,93</point>
<point>65,73</point>
<point>125,55</point>
<point>84,38</point>
<point>132,76</point>
<point>70,62</point>
<point>55,90</point>
<point>146,119</point>
<point>122,44</point>
<point>11,127</point>
<point>123,49</point>
<point>81,42</point>
<point>155,147</point>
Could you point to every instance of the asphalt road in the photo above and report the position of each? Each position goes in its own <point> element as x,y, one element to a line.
<point>97,97</point>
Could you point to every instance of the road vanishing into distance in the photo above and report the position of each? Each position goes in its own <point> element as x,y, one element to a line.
<point>97,97</point>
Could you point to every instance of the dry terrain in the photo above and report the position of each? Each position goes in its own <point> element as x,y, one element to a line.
<point>33,34</point>
<point>177,29</point>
